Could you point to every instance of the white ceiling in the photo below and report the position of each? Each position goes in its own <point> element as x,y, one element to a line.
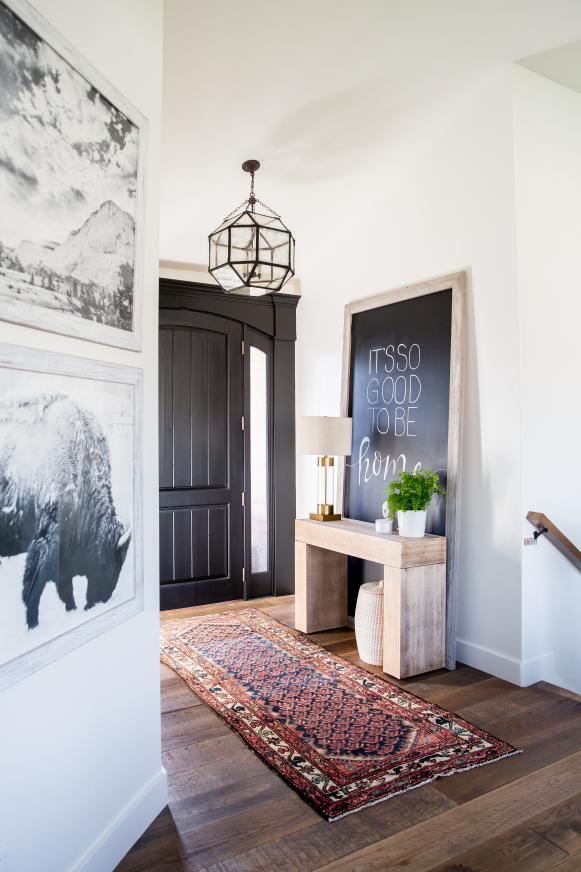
<point>562,65</point>
<point>315,89</point>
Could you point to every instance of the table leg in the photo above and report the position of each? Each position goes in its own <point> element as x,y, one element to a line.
<point>320,588</point>
<point>414,619</point>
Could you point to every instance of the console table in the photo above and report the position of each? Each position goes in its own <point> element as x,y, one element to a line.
<point>414,573</point>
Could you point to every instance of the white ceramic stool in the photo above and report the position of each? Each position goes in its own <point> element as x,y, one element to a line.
<point>369,623</point>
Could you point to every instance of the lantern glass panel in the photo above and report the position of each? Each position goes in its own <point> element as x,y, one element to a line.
<point>267,275</point>
<point>242,243</point>
<point>218,248</point>
<point>244,268</point>
<point>269,221</point>
<point>227,277</point>
<point>273,246</point>
<point>244,219</point>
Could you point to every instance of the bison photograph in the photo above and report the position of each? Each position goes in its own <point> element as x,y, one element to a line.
<point>56,501</point>
<point>67,458</point>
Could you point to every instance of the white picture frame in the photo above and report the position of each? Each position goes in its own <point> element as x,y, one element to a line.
<point>32,313</point>
<point>80,381</point>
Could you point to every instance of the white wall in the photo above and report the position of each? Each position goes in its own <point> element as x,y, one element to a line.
<point>385,135</point>
<point>80,769</point>
<point>547,124</point>
<point>440,199</point>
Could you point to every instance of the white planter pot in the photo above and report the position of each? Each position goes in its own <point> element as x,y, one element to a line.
<point>411,524</point>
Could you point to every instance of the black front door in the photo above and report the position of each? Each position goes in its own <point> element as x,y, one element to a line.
<point>201,451</point>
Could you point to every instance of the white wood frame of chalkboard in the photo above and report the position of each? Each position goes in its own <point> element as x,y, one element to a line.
<point>456,282</point>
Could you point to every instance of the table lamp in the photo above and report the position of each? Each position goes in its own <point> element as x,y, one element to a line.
<point>327,438</point>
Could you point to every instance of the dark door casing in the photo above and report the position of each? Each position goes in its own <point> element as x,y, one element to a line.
<point>201,459</point>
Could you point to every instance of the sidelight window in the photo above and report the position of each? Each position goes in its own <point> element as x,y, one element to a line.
<point>259,515</point>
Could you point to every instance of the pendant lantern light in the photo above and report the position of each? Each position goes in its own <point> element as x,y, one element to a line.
<point>252,253</point>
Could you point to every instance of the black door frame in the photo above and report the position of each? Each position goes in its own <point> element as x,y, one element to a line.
<point>275,316</point>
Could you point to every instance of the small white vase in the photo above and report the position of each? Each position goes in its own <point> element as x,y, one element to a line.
<point>383,525</point>
<point>412,524</point>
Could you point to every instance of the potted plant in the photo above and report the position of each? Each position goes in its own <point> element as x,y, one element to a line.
<point>409,495</point>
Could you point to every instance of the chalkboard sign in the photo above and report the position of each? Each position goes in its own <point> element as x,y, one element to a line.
<point>402,387</point>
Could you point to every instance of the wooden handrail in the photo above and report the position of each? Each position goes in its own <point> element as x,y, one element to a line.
<point>556,537</point>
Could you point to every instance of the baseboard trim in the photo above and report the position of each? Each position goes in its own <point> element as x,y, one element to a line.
<point>479,657</point>
<point>537,669</point>
<point>111,846</point>
<point>519,672</point>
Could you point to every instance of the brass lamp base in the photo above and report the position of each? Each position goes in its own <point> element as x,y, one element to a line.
<point>324,513</point>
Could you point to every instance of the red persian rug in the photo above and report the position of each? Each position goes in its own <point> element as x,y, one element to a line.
<point>342,737</point>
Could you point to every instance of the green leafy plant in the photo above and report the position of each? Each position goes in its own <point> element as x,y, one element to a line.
<point>412,491</point>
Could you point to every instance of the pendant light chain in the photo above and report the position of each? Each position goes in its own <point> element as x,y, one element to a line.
<point>266,206</point>
<point>251,201</point>
<point>252,198</point>
<point>235,211</point>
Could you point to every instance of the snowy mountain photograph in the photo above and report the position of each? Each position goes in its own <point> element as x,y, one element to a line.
<point>69,190</point>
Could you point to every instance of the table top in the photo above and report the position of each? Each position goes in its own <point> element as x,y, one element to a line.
<point>359,539</point>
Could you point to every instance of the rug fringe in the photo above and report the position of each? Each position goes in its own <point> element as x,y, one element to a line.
<point>423,784</point>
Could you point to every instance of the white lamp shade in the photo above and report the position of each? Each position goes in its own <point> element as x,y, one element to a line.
<point>325,436</point>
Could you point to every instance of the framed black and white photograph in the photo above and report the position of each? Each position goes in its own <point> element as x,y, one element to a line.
<point>71,189</point>
<point>70,504</point>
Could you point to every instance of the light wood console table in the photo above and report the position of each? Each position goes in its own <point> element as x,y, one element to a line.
<point>414,572</point>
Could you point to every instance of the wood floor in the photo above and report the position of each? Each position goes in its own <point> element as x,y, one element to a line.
<point>229,812</point>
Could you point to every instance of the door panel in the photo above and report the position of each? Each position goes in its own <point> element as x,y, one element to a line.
<point>193,403</point>
<point>194,543</point>
<point>201,458</point>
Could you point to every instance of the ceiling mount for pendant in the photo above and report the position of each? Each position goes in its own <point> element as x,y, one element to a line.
<point>252,252</point>
<point>250,166</point>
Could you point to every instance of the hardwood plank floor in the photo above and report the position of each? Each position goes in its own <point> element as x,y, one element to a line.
<point>228,812</point>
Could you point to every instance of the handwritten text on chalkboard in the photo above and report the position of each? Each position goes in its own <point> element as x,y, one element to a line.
<point>394,389</point>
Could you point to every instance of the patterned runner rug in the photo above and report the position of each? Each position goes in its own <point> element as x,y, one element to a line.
<point>342,737</point>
